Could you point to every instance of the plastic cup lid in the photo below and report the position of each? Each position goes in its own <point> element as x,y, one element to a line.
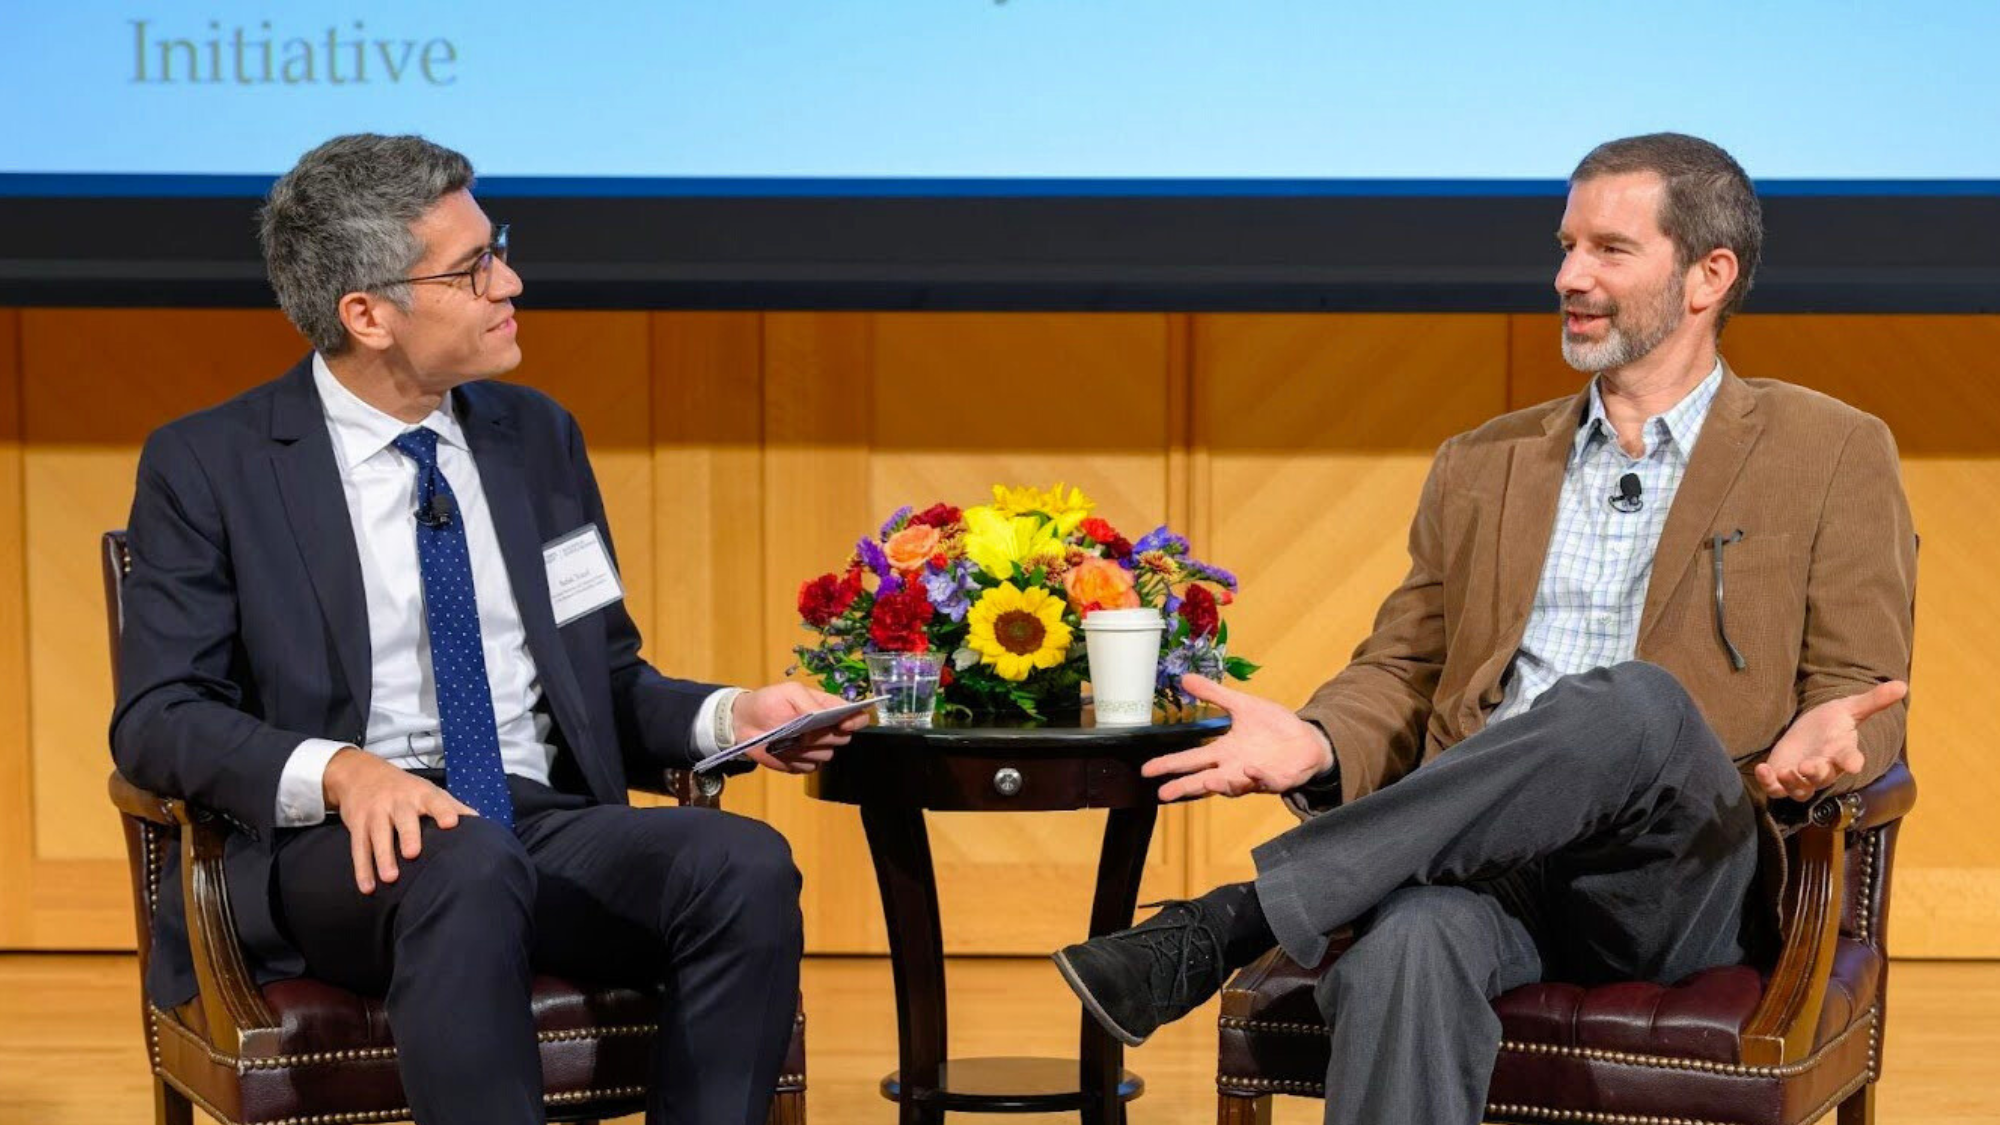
<point>1145,617</point>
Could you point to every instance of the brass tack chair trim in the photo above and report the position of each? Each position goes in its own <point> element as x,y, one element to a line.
<point>1231,1085</point>
<point>571,1097</point>
<point>1504,1110</point>
<point>359,1054</point>
<point>1664,1062</point>
<point>1594,1118</point>
<point>1869,842</point>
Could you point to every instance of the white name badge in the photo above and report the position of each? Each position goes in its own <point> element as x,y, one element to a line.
<point>581,577</point>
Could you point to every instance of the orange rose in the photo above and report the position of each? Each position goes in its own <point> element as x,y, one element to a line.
<point>912,547</point>
<point>1100,584</point>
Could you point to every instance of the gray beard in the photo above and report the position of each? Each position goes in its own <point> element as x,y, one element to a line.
<point>1620,348</point>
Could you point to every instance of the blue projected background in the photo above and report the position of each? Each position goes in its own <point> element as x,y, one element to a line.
<point>672,96</point>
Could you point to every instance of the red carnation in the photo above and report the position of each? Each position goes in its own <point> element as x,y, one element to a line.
<point>1198,608</point>
<point>1106,536</point>
<point>899,620</point>
<point>940,516</point>
<point>824,599</point>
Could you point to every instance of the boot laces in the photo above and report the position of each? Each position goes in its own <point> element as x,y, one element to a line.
<point>1184,948</point>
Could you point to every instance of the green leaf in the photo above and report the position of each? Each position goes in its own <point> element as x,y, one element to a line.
<point>1239,668</point>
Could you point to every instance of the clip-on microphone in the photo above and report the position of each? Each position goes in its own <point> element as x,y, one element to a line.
<point>439,513</point>
<point>1628,498</point>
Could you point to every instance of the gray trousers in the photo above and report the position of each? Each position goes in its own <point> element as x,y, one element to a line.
<point>1603,834</point>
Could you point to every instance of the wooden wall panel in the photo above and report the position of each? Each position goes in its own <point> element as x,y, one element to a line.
<point>599,366</point>
<point>818,408</point>
<point>94,384</point>
<point>17,823</point>
<point>741,453</point>
<point>1934,380</point>
<point>1316,433</point>
<point>708,508</point>
<point>94,387</point>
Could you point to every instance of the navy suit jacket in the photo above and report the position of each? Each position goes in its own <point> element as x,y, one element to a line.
<point>246,628</point>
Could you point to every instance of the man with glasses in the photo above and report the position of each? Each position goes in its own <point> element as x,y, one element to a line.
<point>374,621</point>
<point>1616,601</point>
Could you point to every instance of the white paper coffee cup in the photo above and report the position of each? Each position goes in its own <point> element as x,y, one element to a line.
<point>1124,651</point>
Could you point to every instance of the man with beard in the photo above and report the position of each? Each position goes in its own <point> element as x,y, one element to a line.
<point>1632,617</point>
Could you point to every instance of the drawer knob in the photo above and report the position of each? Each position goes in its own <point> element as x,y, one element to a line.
<point>1007,781</point>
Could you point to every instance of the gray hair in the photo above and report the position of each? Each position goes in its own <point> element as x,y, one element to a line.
<point>1710,202</point>
<point>340,220</point>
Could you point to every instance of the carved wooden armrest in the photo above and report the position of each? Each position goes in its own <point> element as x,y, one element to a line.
<point>230,1000</point>
<point>1782,1028</point>
<point>697,790</point>
<point>150,807</point>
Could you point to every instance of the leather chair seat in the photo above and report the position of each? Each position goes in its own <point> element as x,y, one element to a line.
<point>1586,1054</point>
<point>327,1042</point>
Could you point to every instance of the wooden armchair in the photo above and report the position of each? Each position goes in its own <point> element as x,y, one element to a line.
<point>1743,1045</point>
<point>302,1052</point>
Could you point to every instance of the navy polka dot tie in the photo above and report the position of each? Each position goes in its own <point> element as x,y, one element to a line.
<point>472,768</point>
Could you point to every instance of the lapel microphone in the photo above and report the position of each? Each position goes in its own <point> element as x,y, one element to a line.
<point>1627,500</point>
<point>439,513</point>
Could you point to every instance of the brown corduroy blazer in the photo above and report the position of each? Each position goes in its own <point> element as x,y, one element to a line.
<point>1818,589</point>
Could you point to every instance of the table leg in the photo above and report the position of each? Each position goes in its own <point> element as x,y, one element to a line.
<point>902,853</point>
<point>1120,866</point>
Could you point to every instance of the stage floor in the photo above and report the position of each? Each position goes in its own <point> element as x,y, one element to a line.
<point>71,1053</point>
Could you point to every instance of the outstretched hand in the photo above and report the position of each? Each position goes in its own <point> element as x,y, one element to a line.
<point>1267,750</point>
<point>1824,744</point>
<point>774,706</point>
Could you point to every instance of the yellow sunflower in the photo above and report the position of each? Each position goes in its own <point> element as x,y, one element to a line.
<point>997,540</point>
<point>1018,631</point>
<point>1066,509</point>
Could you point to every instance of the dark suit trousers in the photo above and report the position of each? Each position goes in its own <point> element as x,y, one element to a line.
<point>1603,834</point>
<point>700,903</point>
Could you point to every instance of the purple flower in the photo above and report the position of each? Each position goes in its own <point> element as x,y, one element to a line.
<point>892,584</point>
<point>1206,572</point>
<point>951,589</point>
<point>1161,539</point>
<point>1194,654</point>
<point>896,522</point>
<point>873,557</point>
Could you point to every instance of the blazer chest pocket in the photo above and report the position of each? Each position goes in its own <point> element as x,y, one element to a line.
<point>1754,590</point>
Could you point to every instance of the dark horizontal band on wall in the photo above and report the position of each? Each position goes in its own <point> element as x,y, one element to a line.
<point>1904,253</point>
<point>184,185</point>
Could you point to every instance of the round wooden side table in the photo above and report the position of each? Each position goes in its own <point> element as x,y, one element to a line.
<point>896,775</point>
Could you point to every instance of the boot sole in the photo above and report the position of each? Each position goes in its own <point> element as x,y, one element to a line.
<point>1090,1003</point>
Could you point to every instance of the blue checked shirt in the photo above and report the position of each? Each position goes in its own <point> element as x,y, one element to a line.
<point>1593,584</point>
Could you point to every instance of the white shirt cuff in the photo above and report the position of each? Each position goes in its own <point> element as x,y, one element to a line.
<point>705,740</point>
<point>302,786</point>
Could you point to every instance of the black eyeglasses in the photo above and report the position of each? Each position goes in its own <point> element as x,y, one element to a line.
<point>480,272</point>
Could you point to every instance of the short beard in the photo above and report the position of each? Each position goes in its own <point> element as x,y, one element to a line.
<point>1627,343</point>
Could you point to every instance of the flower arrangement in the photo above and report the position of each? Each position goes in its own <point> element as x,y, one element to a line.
<point>1001,590</point>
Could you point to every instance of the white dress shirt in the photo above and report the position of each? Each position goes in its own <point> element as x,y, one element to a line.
<point>381,487</point>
